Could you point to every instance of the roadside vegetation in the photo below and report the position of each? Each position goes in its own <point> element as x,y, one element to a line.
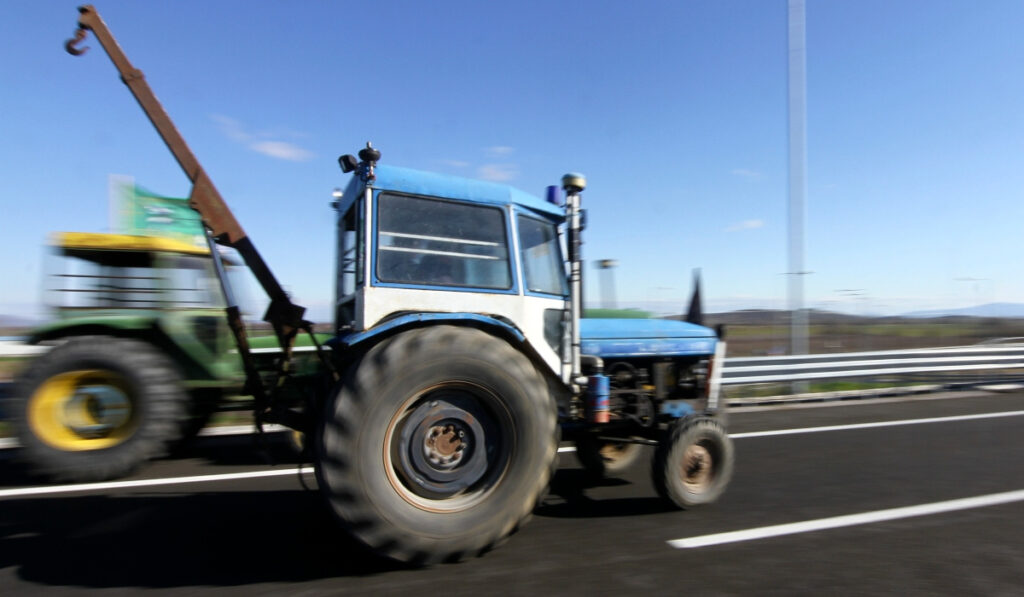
<point>760,333</point>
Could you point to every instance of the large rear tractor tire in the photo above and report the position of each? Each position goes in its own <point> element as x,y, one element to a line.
<point>694,463</point>
<point>96,408</point>
<point>438,445</point>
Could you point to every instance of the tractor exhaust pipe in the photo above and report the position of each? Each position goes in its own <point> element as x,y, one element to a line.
<point>573,184</point>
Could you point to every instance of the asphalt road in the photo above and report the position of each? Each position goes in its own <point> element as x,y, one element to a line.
<point>272,536</point>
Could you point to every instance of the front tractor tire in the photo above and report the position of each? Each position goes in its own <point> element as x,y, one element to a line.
<point>96,408</point>
<point>438,445</point>
<point>694,462</point>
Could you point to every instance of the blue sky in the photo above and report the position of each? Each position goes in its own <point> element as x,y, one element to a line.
<point>676,112</point>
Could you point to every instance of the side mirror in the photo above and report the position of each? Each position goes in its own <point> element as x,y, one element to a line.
<point>348,163</point>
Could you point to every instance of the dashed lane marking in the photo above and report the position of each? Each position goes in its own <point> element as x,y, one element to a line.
<point>849,520</point>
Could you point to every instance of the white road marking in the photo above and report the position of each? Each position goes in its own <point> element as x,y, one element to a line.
<point>1015,413</point>
<point>83,487</point>
<point>241,430</point>
<point>10,442</point>
<point>821,524</point>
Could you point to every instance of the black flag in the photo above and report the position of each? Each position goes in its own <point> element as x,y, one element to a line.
<point>695,314</point>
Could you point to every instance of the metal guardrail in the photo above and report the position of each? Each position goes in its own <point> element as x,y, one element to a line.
<point>781,369</point>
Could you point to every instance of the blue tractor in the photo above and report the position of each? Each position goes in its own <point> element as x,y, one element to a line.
<point>459,360</point>
<point>458,326</point>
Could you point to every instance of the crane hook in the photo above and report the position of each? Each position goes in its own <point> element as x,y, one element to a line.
<point>70,44</point>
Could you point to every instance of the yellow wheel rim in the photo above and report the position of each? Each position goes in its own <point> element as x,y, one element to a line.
<point>83,410</point>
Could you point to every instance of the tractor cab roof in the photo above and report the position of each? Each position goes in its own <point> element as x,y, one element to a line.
<point>119,249</point>
<point>430,184</point>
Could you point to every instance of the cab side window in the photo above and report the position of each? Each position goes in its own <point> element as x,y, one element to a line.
<point>441,243</point>
<point>543,267</point>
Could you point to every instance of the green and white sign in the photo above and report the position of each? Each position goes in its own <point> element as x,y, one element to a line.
<point>137,211</point>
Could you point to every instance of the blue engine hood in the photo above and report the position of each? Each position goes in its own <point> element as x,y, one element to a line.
<point>644,337</point>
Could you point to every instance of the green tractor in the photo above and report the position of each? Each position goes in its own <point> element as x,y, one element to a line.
<point>141,356</point>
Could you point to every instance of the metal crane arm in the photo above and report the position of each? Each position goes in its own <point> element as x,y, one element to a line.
<point>221,225</point>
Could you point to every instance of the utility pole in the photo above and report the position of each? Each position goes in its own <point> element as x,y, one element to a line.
<point>797,174</point>
<point>607,282</point>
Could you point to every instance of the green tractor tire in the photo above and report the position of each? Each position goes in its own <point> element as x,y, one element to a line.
<point>96,407</point>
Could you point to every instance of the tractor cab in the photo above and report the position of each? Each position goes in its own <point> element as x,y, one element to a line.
<point>129,273</point>
<point>160,289</point>
<point>416,246</point>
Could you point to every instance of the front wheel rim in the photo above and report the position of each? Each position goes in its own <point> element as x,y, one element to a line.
<point>698,468</point>
<point>613,452</point>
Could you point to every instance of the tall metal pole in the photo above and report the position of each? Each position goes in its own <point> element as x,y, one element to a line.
<point>608,299</point>
<point>797,174</point>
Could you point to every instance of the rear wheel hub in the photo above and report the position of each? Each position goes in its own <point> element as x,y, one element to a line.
<point>445,444</point>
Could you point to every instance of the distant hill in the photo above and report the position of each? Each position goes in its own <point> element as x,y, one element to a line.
<point>818,317</point>
<point>778,317</point>
<point>616,314</point>
<point>1010,310</point>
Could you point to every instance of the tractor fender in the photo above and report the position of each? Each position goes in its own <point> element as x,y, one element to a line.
<point>349,348</point>
<point>360,342</point>
<point>142,328</point>
<point>106,326</point>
